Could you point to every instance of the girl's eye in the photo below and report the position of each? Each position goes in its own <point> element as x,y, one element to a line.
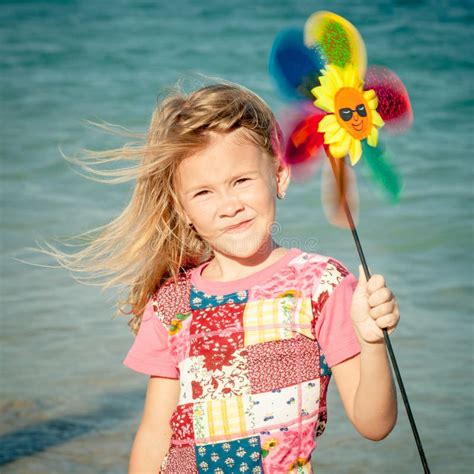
<point>204,192</point>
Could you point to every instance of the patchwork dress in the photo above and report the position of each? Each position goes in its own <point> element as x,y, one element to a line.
<point>253,357</point>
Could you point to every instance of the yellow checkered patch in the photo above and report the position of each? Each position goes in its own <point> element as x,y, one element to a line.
<point>277,318</point>
<point>217,418</point>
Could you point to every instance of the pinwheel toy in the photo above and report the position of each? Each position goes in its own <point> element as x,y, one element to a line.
<point>338,108</point>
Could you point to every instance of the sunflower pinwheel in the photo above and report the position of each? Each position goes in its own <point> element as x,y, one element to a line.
<point>341,105</point>
<point>351,112</point>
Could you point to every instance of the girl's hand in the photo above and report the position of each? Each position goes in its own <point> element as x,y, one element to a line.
<point>373,308</point>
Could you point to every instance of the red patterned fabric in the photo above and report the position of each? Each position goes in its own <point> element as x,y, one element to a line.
<point>217,318</point>
<point>282,363</point>
<point>172,298</point>
<point>217,351</point>
<point>179,460</point>
<point>181,422</point>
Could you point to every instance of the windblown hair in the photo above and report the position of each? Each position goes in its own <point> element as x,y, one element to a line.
<point>150,241</point>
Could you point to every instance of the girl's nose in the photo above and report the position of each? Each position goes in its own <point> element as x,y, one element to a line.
<point>230,205</point>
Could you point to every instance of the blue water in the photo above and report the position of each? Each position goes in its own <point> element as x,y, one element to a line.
<point>67,404</point>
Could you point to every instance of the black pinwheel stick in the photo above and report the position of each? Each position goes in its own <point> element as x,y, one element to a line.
<point>340,180</point>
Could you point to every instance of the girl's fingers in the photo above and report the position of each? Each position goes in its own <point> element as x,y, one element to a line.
<point>375,283</point>
<point>380,296</point>
<point>390,329</point>
<point>382,309</point>
<point>388,321</point>
<point>378,332</point>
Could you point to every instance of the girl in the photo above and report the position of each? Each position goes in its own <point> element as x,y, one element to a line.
<point>239,336</point>
<point>241,342</point>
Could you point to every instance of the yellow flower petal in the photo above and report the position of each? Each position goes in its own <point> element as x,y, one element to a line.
<point>355,152</point>
<point>334,137</point>
<point>373,103</point>
<point>328,123</point>
<point>373,137</point>
<point>348,75</point>
<point>335,75</point>
<point>339,150</point>
<point>369,95</point>
<point>352,150</point>
<point>333,128</point>
<point>325,103</point>
<point>351,78</point>
<point>377,119</point>
<point>328,85</point>
<point>324,99</point>
<point>371,99</point>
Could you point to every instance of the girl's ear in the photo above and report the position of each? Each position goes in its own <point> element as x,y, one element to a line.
<point>283,175</point>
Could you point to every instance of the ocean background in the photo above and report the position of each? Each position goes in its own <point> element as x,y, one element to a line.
<point>67,405</point>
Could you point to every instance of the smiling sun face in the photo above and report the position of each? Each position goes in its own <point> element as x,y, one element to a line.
<point>352,114</point>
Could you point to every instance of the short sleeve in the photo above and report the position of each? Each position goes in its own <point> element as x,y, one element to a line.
<point>150,353</point>
<point>334,329</point>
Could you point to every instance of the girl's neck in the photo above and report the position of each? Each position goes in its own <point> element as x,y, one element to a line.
<point>224,268</point>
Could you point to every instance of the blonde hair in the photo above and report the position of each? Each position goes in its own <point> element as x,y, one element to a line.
<point>150,242</point>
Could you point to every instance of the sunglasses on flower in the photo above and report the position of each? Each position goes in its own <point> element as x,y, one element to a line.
<point>346,112</point>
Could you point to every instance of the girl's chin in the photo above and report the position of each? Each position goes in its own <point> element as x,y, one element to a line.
<point>244,249</point>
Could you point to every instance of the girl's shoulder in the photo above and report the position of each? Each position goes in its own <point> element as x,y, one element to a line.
<point>306,274</point>
<point>318,276</point>
<point>172,297</point>
<point>310,264</point>
<point>315,274</point>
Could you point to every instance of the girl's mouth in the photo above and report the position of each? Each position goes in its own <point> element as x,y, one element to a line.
<point>240,227</point>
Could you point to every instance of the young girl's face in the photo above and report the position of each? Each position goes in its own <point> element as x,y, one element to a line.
<point>230,183</point>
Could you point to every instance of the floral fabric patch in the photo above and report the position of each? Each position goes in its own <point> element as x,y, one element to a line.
<point>206,378</point>
<point>217,350</point>
<point>201,300</point>
<point>286,451</point>
<point>276,407</point>
<point>310,393</point>
<point>172,299</point>
<point>227,317</point>
<point>178,331</point>
<point>242,455</point>
<point>325,370</point>
<point>181,423</point>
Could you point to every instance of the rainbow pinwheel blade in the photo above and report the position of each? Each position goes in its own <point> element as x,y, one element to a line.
<point>336,39</point>
<point>294,67</point>
<point>382,172</point>
<point>304,142</point>
<point>394,104</point>
<point>303,149</point>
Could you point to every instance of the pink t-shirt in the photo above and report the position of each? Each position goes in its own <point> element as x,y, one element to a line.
<point>253,357</point>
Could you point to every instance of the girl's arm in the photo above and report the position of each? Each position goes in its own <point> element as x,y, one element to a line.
<point>367,392</point>
<point>365,381</point>
<point>153,436</point>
